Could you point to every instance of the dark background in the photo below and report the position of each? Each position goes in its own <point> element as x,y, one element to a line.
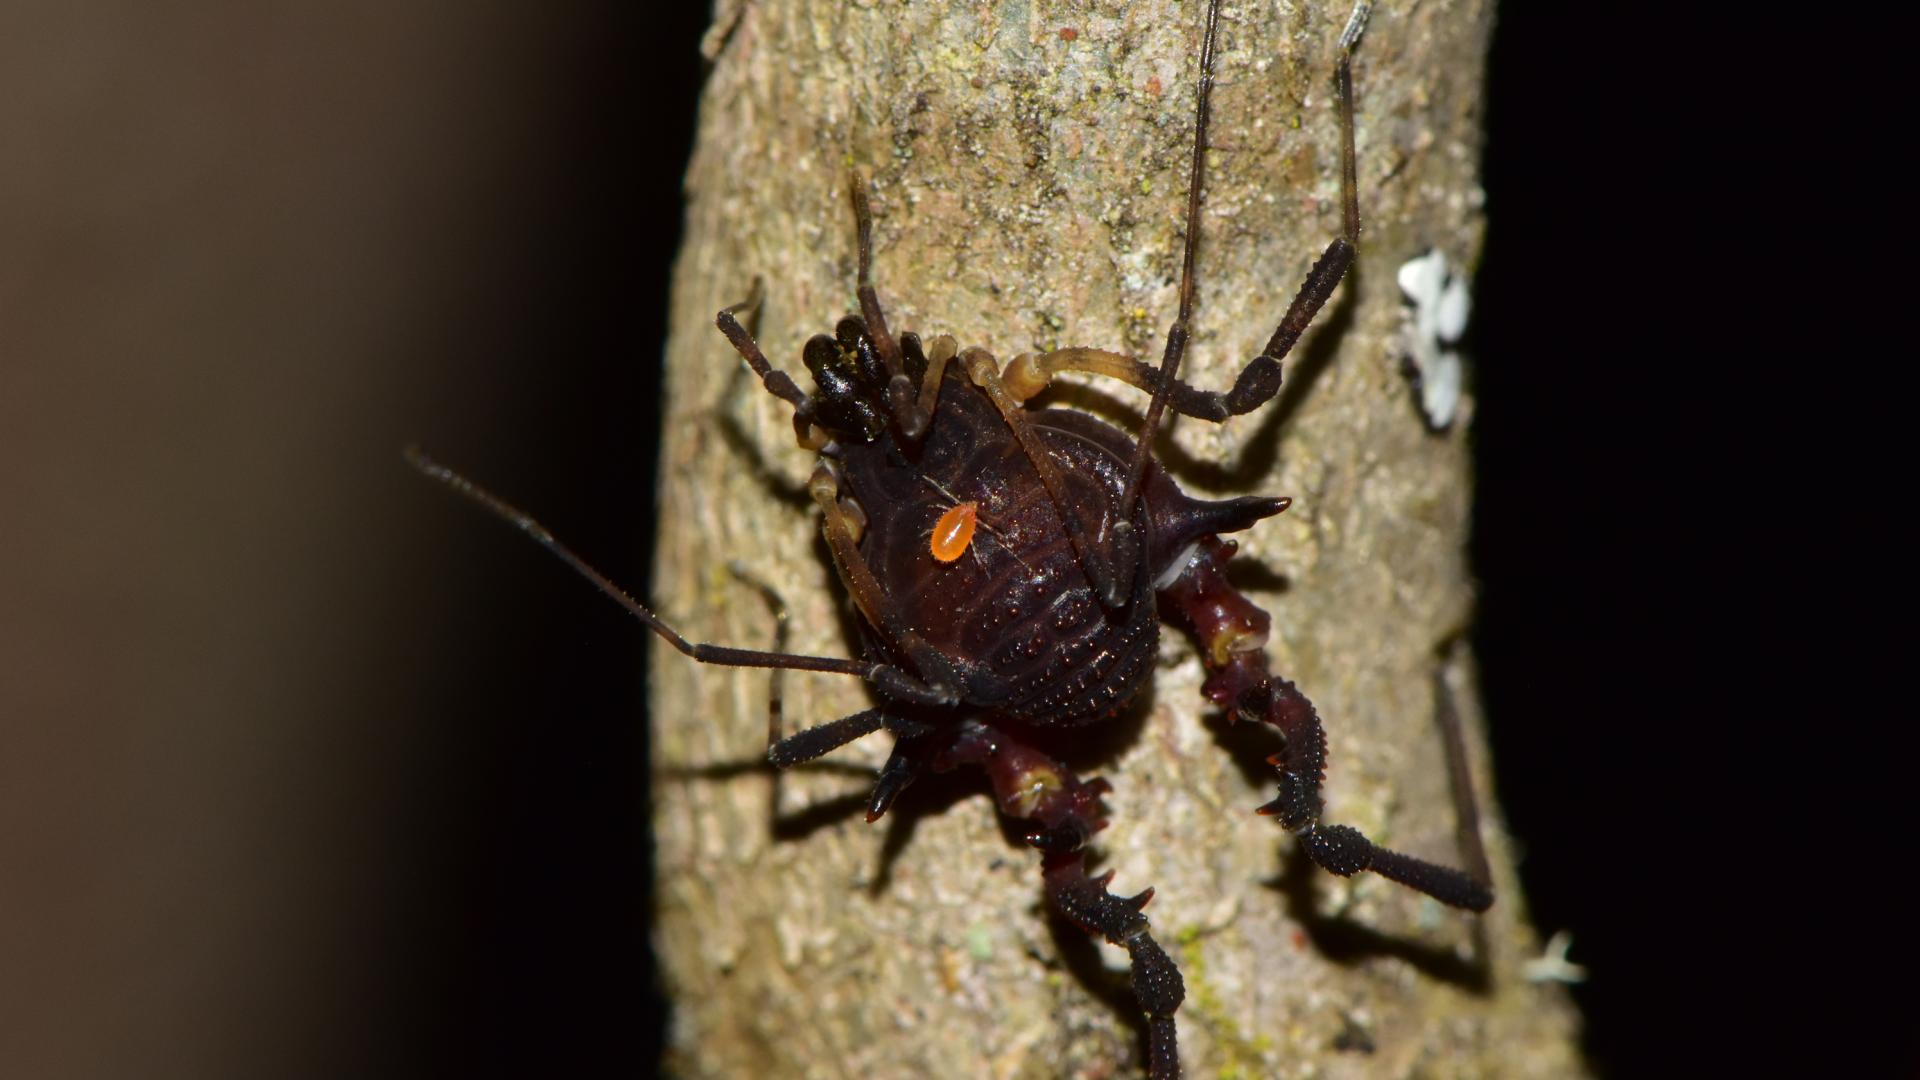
<point>315,772</point>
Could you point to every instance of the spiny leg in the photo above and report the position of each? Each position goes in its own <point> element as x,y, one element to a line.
<point>1232,633</point>
<point>1229,628</point>
<point>1340,849</point>
<point>1066,813</point>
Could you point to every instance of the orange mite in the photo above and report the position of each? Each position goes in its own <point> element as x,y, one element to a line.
<point>954,531</point>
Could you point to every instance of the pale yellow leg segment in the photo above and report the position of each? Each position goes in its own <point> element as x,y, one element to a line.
<point>939,351</point>
<point>1029,373</point>
<point>843,530</point>
<point>985,373</point>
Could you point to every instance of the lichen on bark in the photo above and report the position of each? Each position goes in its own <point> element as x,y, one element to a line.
<point>1028,163</point>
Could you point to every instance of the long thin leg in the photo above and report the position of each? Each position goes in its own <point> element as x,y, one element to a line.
<point>892,681</point>
<point>777,382</point>
<point>1231,632</point>
<point>1066,813</point>
<point>1109,553</point>
<point>907,417</point>
<point>785,750</point>
<point>777,607</point>
<point>1030,373</point>
<point>1177,333</point>
<point>870,310</point>
<point>1466,808</point>
<point>1260,379</point>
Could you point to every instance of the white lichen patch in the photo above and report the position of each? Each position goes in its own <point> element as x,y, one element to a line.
<point>1552,965</point>
<point>1439,303</point>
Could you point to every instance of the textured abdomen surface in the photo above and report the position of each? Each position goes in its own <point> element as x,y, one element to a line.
<point>1015,611</point>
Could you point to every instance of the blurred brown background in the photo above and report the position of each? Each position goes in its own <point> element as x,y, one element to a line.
<point>299,780</point>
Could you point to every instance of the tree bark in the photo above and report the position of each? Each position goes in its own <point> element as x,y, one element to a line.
<point>1028,167</point>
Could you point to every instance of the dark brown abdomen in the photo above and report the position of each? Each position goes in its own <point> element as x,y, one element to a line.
<point>1015,612</point>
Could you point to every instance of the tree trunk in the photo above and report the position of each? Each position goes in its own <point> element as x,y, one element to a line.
<point>1028,168</point>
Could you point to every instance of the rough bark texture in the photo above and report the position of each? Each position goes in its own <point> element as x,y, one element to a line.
<point>1028,163</point>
